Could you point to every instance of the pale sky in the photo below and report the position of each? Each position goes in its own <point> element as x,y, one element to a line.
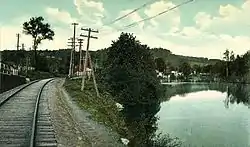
<point>202,28</point>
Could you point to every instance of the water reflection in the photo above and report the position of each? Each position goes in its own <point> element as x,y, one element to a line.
<point>236,93</point>
<point>140,116</point>
<point>196,114</point>
<point>192,118</point>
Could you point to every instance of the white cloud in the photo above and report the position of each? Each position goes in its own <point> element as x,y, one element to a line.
<point>81,4</point>
<point>190,32</point>
<point>228,15</point>
<point>91,12</point>
<point>9,39</point>
<point>171,18</point>
<point>60,39</point>
<point>203,20</point>
<point>56,14</point>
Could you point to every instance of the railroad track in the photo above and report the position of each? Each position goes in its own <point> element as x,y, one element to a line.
<point>25,120</point>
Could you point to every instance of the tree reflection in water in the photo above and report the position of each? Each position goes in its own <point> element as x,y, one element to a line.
<point>236,93</point>
<point>141,119</point>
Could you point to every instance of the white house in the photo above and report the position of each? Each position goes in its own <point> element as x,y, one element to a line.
<point>176,73</point>
<point>80,73</point>
<point>8,69</point>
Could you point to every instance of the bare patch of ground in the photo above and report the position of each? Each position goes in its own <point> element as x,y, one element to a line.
<point>73,125</point>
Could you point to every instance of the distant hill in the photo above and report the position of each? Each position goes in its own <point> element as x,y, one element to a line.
<point>176,60</point>
<point>63,57</point>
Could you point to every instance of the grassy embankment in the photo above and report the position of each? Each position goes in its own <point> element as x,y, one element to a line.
<point>103,109</point>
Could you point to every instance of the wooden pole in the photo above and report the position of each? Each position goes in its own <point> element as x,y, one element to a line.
<point>88,57</point>
<point>86,61</point>
<point>93,76</point>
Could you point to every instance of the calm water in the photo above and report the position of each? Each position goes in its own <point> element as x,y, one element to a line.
<point>208,115</point>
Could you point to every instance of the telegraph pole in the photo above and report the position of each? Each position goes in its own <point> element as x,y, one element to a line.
<point>18,37</point>
<point>71,68</point>
<point>80,51</point>
<point>87,56</point>
<point>71,45</point>
<point>23,46</point>
<point>71,57</point>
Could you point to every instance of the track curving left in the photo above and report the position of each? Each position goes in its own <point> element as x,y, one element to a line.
<point>24,121</point>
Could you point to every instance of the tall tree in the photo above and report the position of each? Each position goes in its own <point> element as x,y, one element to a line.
<point>39,31</point>
<point>160,64</point>
<point>227,59</point>
<point>132,80</point>
<point>185,68</point>
<point>232,57</point>
<point>197,68</point>
<point>226,55</point>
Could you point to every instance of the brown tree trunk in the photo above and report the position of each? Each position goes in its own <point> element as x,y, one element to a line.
<point>35,54</point>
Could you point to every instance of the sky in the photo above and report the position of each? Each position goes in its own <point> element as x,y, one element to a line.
<point>202,28</point>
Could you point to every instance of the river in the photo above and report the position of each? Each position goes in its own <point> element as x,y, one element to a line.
<point>207,115</point>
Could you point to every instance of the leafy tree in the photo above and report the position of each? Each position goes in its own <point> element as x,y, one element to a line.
<point>197,68</point>
<point>239,66</point>
<point>219,69</point>
<point>160,64</point>
<point>185,68</point>
<point>129,72</point>
<point>226,55</point>
<point>232,58</point>
<point>227,59</point>
<point>42,64</point>
<point>39,31</point>
<point>207,68</point>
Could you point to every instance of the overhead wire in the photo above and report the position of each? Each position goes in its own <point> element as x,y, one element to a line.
<point>131,12</point>
<point>152,17</point>
<point>127,14</point>
<point>149,18</point>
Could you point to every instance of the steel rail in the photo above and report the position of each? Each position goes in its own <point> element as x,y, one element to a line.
<point>19,90</point>
<point>35,116</point>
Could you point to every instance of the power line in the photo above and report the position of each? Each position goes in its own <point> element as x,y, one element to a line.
<point>133,11</point>
<point>161,13</point>
<point>148,18</point>
<point>126,15</point>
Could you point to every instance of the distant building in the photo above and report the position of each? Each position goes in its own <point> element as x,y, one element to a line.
<point>176,73</point>
<point>80,73</point>
<point>8,69</point>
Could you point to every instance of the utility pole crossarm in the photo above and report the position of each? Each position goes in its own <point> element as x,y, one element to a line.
<point>90,36</point>
<point>71,68</point>
<point>94,31</point>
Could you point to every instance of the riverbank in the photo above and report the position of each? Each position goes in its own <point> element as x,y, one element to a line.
<point>208,82</point>
<point>104,110</point>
